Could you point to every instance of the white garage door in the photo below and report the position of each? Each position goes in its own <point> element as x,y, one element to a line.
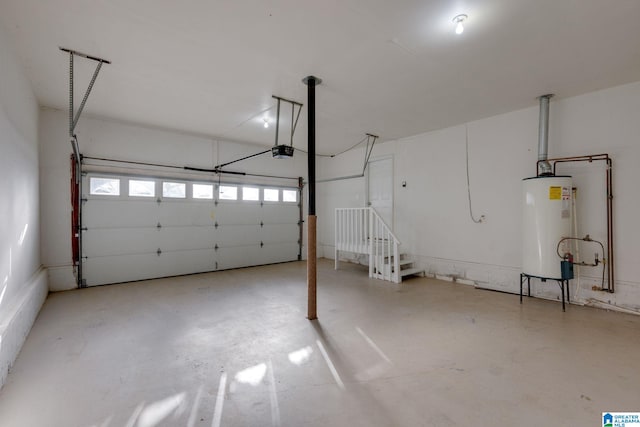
<point>139,228</point>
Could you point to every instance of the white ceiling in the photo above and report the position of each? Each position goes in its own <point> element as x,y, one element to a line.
<point>392,68</point>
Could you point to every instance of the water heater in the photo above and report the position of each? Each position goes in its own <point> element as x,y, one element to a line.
<point>546,220</point>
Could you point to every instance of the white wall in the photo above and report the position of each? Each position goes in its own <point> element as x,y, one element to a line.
<point>431,214</point>
<point>23,285</point>
<point>116,140</point>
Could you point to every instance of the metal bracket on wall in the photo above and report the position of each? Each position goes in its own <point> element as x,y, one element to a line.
<point>371,141</point>
<point>73,119</point>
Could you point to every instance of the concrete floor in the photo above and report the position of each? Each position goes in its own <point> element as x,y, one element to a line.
<point>234,348</point>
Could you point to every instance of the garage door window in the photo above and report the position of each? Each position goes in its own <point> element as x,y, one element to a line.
<point>250,193</point>
<point>104,186</point>
<point>271,195</point>
<point>289,196</point>
<point>228,192</point>
<point>139,188</point>
<point>176,190</point>
<point>202,191</point>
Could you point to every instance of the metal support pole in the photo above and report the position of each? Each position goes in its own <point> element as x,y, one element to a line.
<point>312,272</point>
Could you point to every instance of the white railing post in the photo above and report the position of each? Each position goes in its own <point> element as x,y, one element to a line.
<point>396,264</point>
<point>362,231</point>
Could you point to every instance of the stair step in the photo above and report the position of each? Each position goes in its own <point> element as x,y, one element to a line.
<point>403,258</point>
<point>405,262</point>
<point>411,271</point>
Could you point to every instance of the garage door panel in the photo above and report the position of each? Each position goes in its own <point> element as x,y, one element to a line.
<point>119,241</point>
<point>280,233</point>
<point>278,213</point>
<point>177,263</point>
<point>119,213</point>
<point>117,269</point>
<point>185,213</point>
<point>123,235</point>
<point>237,214</point>
<point>186,238</point>
<point>278,252</point>
<point>238,235</point>
<point>236,257</point>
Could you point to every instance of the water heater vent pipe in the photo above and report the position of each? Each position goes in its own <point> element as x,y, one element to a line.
<point>543,136</point>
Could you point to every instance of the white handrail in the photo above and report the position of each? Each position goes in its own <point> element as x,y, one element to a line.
<point>363,231</point>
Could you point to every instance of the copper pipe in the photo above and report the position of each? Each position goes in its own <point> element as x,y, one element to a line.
<point>609,195</point>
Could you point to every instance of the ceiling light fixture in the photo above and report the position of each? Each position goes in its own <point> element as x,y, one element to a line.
<point>266,123</point>
<point>458,20</point>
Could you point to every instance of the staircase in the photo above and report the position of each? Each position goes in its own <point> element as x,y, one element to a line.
<point>362,231</point>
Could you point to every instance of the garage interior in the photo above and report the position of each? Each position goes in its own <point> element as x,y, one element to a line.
<point>165,165</point>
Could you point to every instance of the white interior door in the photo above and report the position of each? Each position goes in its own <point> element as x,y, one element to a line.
<point>380,188</point>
